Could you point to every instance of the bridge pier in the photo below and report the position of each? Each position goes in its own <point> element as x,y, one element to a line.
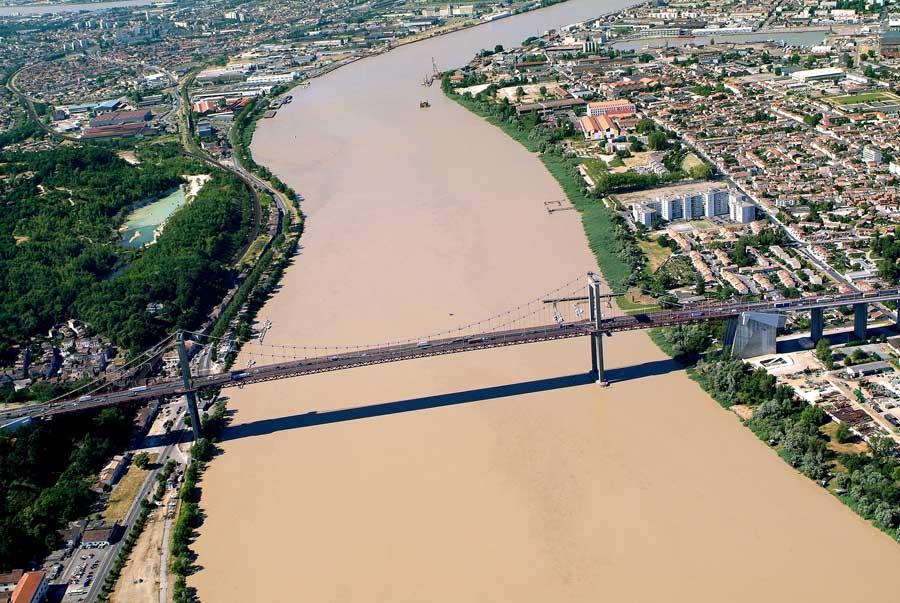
<point>817,324</point>
<point>731,326</point>
<point>186,379</point>
<point>860,320</point>
<point>597,369</point>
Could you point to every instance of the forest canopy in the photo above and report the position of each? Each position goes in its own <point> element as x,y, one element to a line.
<point>61,254</point>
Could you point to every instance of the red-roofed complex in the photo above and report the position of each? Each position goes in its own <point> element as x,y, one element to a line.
<point>203,107</point>
<point>611,107</point>
<point>31,588</point>
<point>595,128</point>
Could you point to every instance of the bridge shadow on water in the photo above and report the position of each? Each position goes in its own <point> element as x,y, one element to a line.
<point>315,418</point>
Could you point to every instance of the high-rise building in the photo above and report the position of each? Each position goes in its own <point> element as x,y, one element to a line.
<point>693,206</point>
<point>871,155</point>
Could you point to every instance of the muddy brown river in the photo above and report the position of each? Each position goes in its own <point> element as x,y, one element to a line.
<point>504,476</point>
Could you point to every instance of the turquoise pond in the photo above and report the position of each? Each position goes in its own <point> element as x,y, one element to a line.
<point>141,224</point>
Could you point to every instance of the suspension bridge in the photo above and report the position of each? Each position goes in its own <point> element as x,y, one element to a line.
<point>580,308</point>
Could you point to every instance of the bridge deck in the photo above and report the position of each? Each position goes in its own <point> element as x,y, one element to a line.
<point>437,347</point>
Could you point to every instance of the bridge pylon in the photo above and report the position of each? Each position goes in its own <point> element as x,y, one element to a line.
<point>188,387</point>
<point>594,297</point>
<point>817,324</point>
<point>860,320</point>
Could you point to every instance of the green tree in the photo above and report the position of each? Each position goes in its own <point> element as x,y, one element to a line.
<point>823,353</point>
<point>658,141</point>
<point>645,126</point>
<point>141,460</point>
<point>882,447</point>
<point>843,434</point>
<point>701,172</point>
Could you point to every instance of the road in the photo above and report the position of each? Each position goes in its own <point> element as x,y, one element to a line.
<point>128,523</point>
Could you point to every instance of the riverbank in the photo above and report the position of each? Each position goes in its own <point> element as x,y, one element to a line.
<point>790,426</point>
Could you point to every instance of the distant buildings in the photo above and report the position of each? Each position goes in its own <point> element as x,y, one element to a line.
<point>205,130</point>
<point>111,473</point>
<point>273,78</point>
<point>8,583</point>
<point>741,211</point>
<point>596,128</point>
<point>99,534</point>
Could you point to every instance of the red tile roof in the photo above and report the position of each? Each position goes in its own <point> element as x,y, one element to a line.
<point>27,588</point>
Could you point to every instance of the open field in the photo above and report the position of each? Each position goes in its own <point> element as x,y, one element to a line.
<point>123,494</point>
<point>254,250</point>
<point>595,168</point>
<point>690,161</point>
<point>635,301</point>
<point>656,255</point>
<point>864,97</point>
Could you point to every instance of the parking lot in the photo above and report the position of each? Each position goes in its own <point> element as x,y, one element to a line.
<point>81,570</point>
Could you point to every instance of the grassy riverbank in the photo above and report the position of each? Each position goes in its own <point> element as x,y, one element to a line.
<point>604,229</point>
<point>869,483</point>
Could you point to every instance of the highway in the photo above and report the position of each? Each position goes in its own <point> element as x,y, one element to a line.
<point>436,347</point>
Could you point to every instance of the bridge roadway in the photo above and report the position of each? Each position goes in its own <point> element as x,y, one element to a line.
<point>436,347</point>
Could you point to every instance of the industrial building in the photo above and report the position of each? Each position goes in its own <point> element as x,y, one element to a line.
<point>119,118</point>
<point>889,40</point>
<point>818,75</point>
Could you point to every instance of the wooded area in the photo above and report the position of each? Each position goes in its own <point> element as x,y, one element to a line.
<point>60,250</point>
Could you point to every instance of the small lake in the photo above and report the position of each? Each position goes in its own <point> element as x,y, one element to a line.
<point>141,224</point>
<point>803,38</point>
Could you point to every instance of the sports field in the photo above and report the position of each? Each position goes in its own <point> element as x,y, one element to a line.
<point>864,97</point>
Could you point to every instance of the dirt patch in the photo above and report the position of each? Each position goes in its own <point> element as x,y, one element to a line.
<point>129,156</point>
<point>139,580</point>
<point>743,411</point>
